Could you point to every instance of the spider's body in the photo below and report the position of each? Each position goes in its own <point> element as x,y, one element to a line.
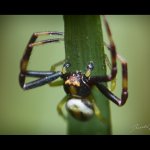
<point>77,85</point>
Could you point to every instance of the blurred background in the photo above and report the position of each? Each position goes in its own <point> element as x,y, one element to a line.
<point>34,111</point>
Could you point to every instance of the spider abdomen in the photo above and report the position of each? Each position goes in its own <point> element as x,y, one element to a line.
<point>81,109</point>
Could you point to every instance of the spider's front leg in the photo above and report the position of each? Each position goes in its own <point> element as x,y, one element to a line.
<point>113,55</point>
<point>119,101</point>
<point>45,76</point>
<point>97,80</point>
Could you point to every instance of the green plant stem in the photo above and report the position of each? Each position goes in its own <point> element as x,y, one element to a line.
<point>84,43</point>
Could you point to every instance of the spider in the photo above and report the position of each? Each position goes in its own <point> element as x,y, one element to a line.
<point>77,85</point>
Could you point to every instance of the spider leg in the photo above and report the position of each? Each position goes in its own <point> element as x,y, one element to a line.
<point>38,82</point>
<point>28,50</point>
<point>113,82</point>
<point>98,79</point>
<point>119,101</point>
<point>64,70</point>
<point>60,105</point>
<point>48,33</point>
<point>113,54</point>
<point>97,111</point>
<point>45,42</point>
<point>39,73</point>
<point>47,76</point>
<point>124,75</point>
<point>53,67</point>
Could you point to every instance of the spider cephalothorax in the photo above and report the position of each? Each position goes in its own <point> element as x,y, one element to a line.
<point>77,85</point>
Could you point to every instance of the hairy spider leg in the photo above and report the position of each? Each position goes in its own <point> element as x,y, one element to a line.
<point>46,76</point>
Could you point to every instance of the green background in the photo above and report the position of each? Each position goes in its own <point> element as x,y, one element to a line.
<point>34,111</point>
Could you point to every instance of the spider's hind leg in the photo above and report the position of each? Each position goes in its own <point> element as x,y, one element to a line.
<point>97,111</point>
<point>60,105</point>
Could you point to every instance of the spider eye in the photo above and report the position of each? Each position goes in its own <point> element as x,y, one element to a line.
<point>80,109</point>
